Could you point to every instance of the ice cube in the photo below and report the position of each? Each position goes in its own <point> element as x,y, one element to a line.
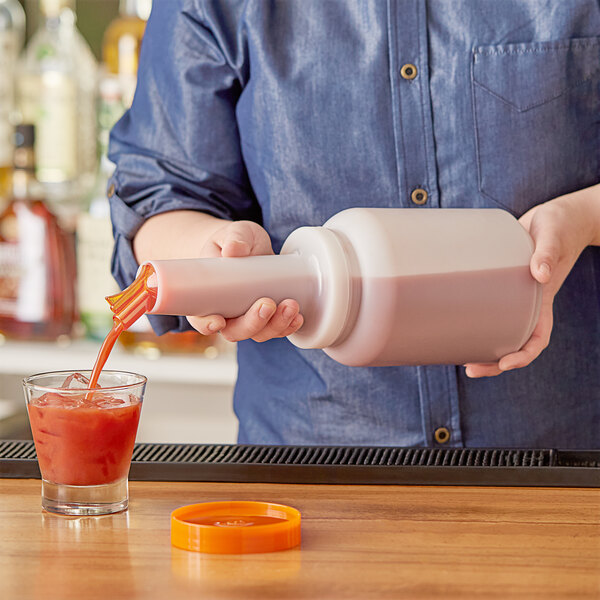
<point>55,399</point>
<point>106,401</point>
<point>76,381</point>
<point>49,399</point>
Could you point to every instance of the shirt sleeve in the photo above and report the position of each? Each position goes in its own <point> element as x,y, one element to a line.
<point>177,147</point>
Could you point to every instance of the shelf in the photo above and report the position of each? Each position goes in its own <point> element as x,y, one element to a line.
<point>26,358</point>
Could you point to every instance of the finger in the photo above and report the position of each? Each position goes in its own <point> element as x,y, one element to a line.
<point>476,370</point>
<point>539,340</point>
<point>296,323</point>
<point>242,238</point>
<point>250,323</point>
<point>545,231</point>
<point>286,312</point>
<point>207,325</point>
<point>211,250</point>
<point>234,239</point>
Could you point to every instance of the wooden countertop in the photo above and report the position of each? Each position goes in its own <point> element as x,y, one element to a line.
<point>357,542</point>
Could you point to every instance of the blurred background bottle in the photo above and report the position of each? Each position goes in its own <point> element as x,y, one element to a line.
<point>118,76</point>
<point>122,42</point>
<point>73,93</point>
<point>56,91</point>
<point>37,257</point>
<point>12,34</point>
<point>94,229</point>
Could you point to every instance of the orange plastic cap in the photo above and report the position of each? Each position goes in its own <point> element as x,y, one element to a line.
<point>235,527</point>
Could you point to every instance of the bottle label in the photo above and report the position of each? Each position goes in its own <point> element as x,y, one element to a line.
<point>10,270</point>
<point>87,138</point>
<point>50,102</point>
<point>110,110</point>
<point>23,272</point>
<point>8,55</point>
<point>94,249</point>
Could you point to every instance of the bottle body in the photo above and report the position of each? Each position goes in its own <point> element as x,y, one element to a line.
<point>383,287</point>
<point>94,247</point>
<point>121,45</point>
<point>56,91</point>
<point>12,32</point>
<point>94,228</point>
<point>446,286</point>
<point>37,258</point>
<point>116,85</point>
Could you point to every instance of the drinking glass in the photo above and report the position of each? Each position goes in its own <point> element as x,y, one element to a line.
<point>84,438</point>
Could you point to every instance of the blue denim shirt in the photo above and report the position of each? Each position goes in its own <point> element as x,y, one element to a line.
<point>286,112</point>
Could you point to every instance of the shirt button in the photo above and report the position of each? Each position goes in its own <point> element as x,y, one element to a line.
<point>111,190</point>
<point>419,196</point>
<point>408,71</point>
<point>442,435</point>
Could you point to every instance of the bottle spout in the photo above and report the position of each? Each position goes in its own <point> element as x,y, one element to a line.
<point>136,300</point>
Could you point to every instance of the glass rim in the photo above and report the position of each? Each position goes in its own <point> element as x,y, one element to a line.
<point>29,382</point>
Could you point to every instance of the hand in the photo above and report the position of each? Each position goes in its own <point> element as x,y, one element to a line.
<point>561,229</point>
<point>264,320</point>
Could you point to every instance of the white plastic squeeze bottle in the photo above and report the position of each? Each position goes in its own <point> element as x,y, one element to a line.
<point>381,286</point>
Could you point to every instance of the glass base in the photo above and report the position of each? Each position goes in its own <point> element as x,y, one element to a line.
<point>85,500</point>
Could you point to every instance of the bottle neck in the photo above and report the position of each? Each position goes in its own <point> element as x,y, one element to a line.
<point>13,20</point>
<point>62,21</point>
<point>24,158</point>
<point>54,9</point>
<point>135,8</point>
<point>229,286</point>
<point>21,184</point>
<point>24,183</point>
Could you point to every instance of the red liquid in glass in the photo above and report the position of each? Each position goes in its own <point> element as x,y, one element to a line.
<point>84,439</point>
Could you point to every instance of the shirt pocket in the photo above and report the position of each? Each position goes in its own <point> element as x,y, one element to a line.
<point>537,119</point>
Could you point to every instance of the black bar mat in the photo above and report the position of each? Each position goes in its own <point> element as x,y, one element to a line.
<point>340,464</point>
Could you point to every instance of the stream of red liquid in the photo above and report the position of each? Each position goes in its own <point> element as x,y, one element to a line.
<point>128,306</point>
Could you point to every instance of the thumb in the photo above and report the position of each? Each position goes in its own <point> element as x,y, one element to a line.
<point>546,237</point>
<point>236,239</point>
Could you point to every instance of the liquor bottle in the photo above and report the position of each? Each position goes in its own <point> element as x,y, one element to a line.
<point>116,87</point>
<point>12,31</point>
<point>37,257</point>
<point>94,249</point>
<point>94,228</point>
<point>122,42</point>
<point>56,90</point>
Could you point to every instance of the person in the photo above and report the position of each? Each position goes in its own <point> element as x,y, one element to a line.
<point>252,118</point>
